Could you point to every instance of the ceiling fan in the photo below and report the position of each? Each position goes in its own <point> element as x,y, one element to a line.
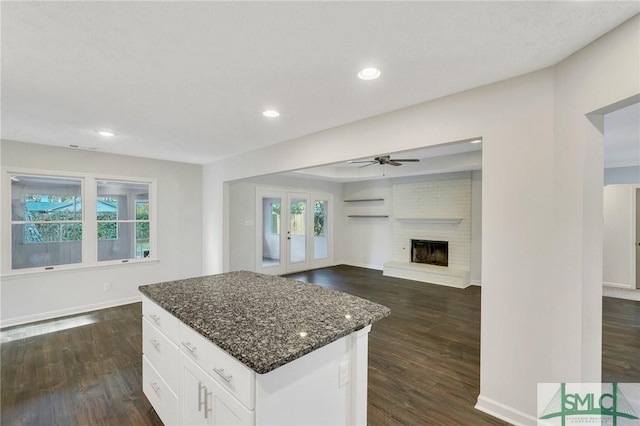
<point>385,159</point>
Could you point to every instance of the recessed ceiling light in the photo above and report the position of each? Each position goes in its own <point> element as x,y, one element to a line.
<point>369,74</point>
<point>106,133</point>
<point>271,113</point>
<point>476,141</point>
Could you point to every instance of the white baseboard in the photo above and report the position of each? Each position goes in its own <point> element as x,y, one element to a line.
<point>69,311</point>
<point>504,412</point>
<point>362,265</point>
<point>621,292</point>
<point>619,285</point>
<point>476,282</point>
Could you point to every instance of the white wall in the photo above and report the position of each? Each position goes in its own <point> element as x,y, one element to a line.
<point>476,227</point>
<point>542,182</point>
<point>446,195</point>
<point>38,296</point>
<point>367,241</point>
<point>619,236</point>
<point>242,213</point>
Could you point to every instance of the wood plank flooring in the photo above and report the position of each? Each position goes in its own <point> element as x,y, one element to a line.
<point>423,359</point>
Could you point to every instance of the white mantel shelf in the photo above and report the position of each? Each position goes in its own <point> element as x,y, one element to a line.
<point>445,220</point>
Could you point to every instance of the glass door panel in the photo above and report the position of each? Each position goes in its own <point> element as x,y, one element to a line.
<point>320,230</point>
<point>297,235</point>
<point>271,231</point>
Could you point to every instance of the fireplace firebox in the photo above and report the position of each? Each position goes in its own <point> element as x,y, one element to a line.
<point>430,252</point>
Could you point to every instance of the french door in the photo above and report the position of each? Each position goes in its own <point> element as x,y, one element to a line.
<point>292,231</point>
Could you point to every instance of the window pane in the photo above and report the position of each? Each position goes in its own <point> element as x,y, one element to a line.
<point>121,241</point>
<point>46,244</point>
<point>142,210</point>
<point>119,200</point>
<point>271,238</point>
<point>320,244</point>
<point>45,199</point>
<point>46,214</point>
<point>142,240</point>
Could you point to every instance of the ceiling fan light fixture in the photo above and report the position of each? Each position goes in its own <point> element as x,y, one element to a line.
<point>369,74</point>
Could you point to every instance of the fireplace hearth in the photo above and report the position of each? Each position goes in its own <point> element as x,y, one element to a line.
<point>430,252</point>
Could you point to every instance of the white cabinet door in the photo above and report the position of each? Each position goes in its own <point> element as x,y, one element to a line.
<point>205,402</point>
<point>228,411</point>
<point>196,398</point>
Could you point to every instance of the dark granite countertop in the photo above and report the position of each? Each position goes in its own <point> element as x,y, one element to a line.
<point>264,321</point>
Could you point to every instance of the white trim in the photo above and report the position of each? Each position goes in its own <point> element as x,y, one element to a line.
<point>618,285</point>
<point>622,293</point>
<point>476,282</point>
<point>17,273</point>
<point>89,243</point>
<point>504,412</point>
<point>361,265</point>
<point>69,311</point>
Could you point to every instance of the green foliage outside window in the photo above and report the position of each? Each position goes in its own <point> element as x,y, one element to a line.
<point>318,218</point>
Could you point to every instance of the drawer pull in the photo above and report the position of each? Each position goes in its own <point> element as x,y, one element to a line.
<point>200,387</point>
<point>221,374</point>
<point>155,343</point>
<point>155,318</point>
<point>190,348</point>
<point>155,387</point>
<point>207,409</point>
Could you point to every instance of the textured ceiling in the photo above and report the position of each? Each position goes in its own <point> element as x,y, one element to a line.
<point>188,81</point>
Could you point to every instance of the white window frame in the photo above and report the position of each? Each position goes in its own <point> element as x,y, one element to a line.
<point>89,220</point>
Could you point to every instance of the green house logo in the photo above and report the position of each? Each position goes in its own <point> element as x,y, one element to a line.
<point>579,407</point>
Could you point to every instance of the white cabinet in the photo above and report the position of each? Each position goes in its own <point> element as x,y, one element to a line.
<point>191,381</point>
<point>205,402</point>
<point>160,356</point>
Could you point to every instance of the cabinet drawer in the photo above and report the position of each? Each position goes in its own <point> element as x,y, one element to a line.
<point>162,353</point>
<point>232,375</point>
<point>161,319</point>
<point>161,397</point>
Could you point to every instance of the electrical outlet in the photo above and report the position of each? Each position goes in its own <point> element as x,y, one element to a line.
<point>107,286</point>
<point>343,373</point>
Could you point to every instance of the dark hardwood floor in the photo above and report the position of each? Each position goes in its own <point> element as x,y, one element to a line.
<point>423,359</point>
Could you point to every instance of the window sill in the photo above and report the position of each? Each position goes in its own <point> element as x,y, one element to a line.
<point>78,267</point>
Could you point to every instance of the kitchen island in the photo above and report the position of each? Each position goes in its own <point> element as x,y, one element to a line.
<point>244,348</point>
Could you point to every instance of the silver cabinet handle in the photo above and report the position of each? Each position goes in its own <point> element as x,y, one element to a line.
<point>155,343</point>
<point>155,387</point>
<point>221,374</point>
<point>155,318</point>
<point>207,409</point>
<point>200,387</point>
<point>190,348</point>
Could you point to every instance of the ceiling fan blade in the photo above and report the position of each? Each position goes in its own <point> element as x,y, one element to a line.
<point>410,160</point>
<point>370,164</point>
<point>393,163</point>
<point>363,161</point>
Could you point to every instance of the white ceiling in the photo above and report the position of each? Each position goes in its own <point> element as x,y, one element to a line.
<point>187,81</point>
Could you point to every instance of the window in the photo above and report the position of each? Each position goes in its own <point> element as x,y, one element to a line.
<point>46,221</point>
<point>53,221</point>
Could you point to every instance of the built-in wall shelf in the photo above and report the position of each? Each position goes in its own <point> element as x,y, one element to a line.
<point>444,220</point>
<point>362,200</point>
<point>368,215</point>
